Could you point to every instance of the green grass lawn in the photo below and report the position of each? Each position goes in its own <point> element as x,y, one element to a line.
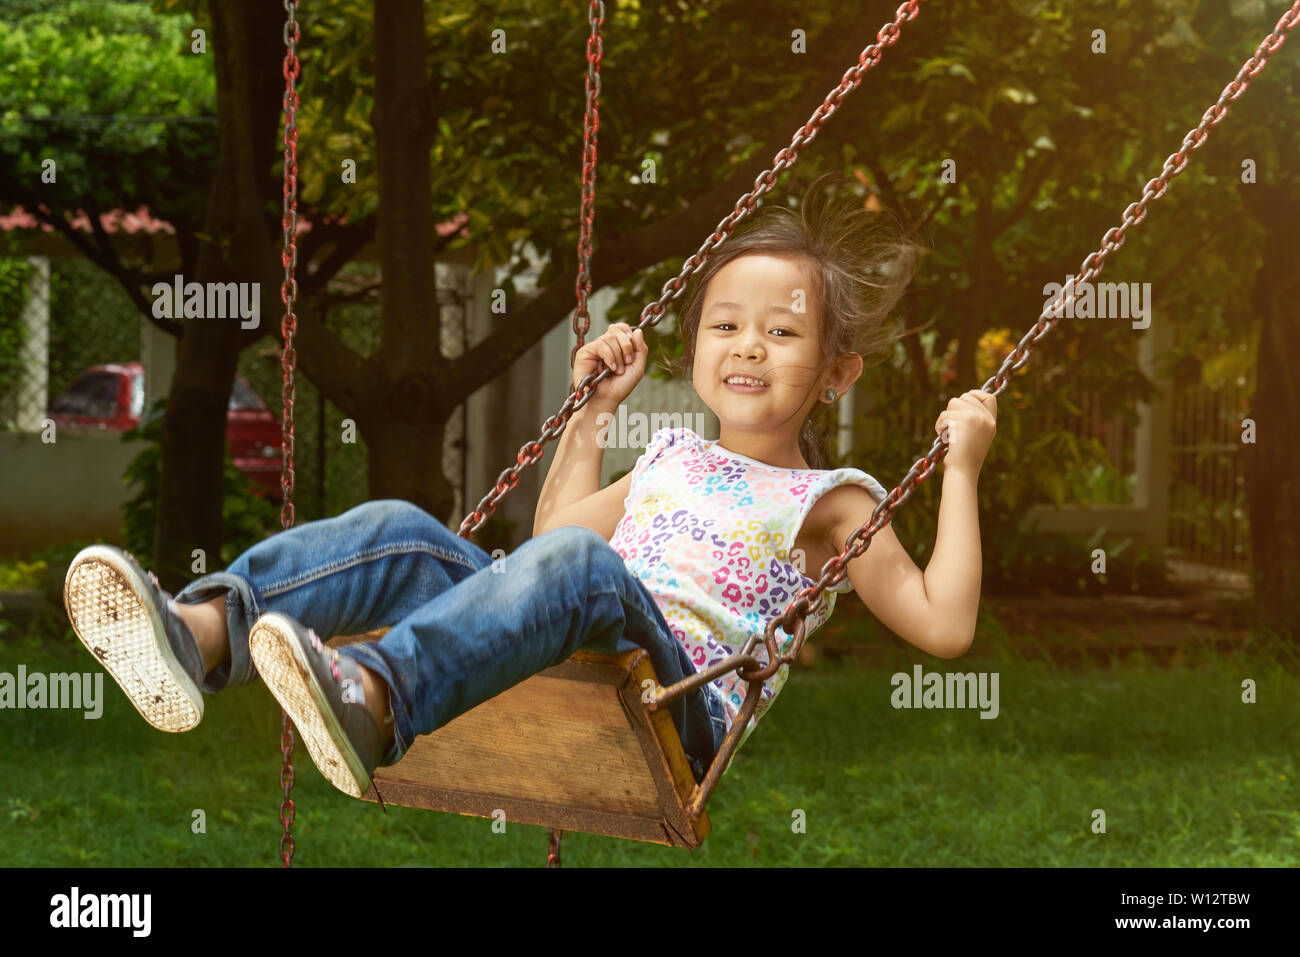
<point>1186,773</point>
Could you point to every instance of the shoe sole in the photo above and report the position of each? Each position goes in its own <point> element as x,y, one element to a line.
<point>108,605</point>
<point>282,663</point>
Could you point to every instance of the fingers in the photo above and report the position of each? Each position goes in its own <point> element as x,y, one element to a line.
<point>611,356</point>
<point>631,340</point>
<point>987,399</point>
<point>620,346</point>
<point>976,397</point>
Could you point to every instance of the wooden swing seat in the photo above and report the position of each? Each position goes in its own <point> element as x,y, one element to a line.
<point>573,747</point>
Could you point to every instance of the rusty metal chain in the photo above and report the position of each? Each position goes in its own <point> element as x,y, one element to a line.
<point>553,848</point>
<point>590,127</point>
<point>288,362</point>
<point>792,619</point>
<point>586,216</point>
<point>531,453</point>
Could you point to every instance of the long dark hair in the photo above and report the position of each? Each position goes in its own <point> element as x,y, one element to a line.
<point>860,265</point>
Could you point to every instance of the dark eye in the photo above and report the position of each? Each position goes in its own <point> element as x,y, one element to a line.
<point>787,332</point>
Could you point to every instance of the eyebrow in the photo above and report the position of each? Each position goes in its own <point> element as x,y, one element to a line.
<point>736,306</point>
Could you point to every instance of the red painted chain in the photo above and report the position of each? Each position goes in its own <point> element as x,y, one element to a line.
<point>531,453</point>
<point>835,569</point>
<point>581,319</point>
<point>591,126</point>
<point>288,362</point>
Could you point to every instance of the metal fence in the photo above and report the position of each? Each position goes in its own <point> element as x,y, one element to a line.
<point>898,415</point>
<point>1209,531</point>
<point>58,319</point>
<point>331,473</point>
<point>1208,522</point>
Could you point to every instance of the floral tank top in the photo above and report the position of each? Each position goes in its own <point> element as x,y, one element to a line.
<point>710,534</point>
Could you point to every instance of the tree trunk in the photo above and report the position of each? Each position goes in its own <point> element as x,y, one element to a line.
<point>916,358</point>
<point>406,447</point>
<point>973,319</point>
<point>406,463</point>
<point>1273,462</point>
<point>248,45</point>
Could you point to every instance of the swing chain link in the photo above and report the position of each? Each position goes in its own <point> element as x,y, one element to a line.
<point>288,361</point>
<point>792,619</point>
<point>553,849</point>
<point>586,216</point>
<point>531,453</point>
<point>591,126</point>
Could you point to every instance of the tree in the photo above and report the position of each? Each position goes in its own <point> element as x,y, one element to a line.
<point>1050,140</point>
<point>402,397</point>
<point>102,117</point>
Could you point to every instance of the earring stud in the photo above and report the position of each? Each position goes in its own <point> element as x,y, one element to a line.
<point>831,394</point>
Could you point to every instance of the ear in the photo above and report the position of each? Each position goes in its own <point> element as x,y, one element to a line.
<point>847,371</point>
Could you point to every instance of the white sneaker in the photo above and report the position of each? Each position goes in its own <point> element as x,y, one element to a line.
<point>128,623</point>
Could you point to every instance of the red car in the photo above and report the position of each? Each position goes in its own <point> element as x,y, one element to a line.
<point>111,397</point>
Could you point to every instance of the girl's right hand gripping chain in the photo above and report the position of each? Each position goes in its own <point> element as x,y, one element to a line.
<point>623,349</point>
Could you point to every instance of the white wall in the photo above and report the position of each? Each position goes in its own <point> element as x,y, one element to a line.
<point>70,489</point>
<point>510,412</point>
<point>66,490</point>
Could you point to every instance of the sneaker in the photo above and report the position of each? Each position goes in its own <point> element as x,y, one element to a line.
<point>130,625</point>
<point>322,692</point>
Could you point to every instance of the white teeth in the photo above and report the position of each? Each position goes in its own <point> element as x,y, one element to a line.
<point>745,380</point>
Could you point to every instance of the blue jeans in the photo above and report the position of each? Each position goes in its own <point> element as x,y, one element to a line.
<point>464,628</point>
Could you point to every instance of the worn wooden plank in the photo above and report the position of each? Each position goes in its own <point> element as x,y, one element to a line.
<point>572,747</point>
<point>666,759</point>
<point>630,827</point>
<point>546,739</point>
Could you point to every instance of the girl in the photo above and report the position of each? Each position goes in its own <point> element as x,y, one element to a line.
<point>698,547</point>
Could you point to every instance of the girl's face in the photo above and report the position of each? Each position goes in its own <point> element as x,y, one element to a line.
<point>760,319</point>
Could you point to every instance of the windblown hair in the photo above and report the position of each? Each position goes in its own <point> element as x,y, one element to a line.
<point>860,265</point>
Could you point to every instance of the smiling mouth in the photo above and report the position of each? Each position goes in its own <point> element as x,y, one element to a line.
<point>748,383</point>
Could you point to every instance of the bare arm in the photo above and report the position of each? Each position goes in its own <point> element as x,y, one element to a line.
<point>574,475</point>
<point>953,575</point>
<point>935,610</point>
<point>575,471</point>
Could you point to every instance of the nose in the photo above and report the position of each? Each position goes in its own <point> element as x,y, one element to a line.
<point>748,347</point>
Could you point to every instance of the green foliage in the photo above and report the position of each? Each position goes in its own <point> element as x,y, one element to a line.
<point>1050,142</point>
<point>1029,561</point>
<point>1099,483</point>
<point>14,274</point>
<point>79,77</point>
<point>56,559</point>
<point>1028,464</point>
<point>247,518</point>
<point>18,575</point>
